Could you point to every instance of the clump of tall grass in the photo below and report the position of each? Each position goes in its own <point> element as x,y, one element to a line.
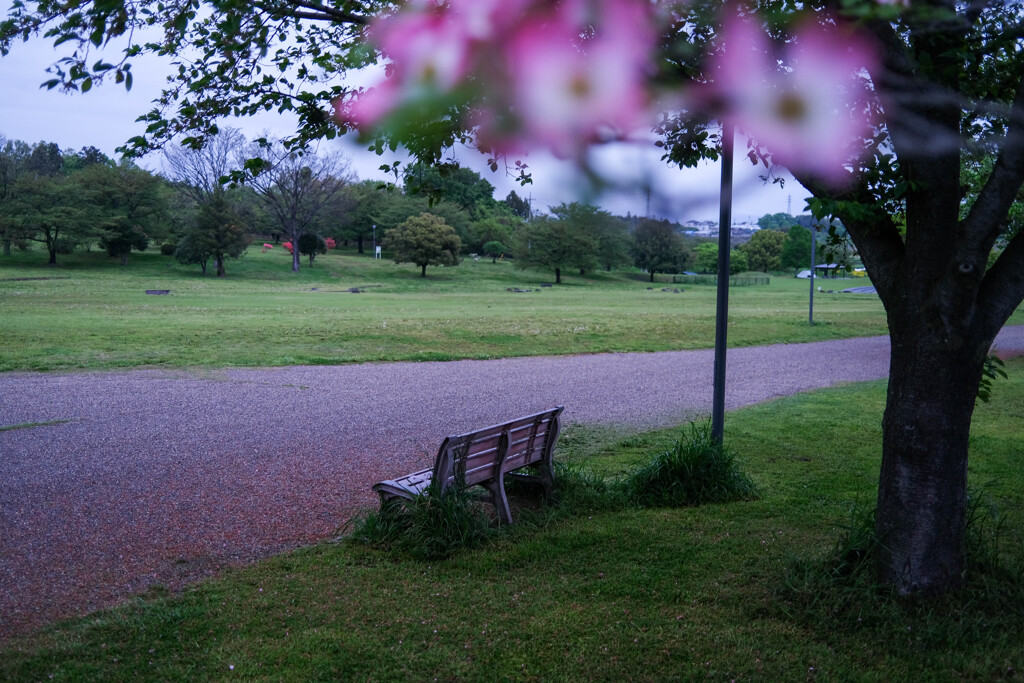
<point>698,469</point>
<point>433,525</point>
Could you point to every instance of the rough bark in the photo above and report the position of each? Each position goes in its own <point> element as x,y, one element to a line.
<point>294,235</point>
<point>922,491</point>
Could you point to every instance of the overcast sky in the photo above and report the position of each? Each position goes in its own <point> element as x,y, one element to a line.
<point>105,118</point>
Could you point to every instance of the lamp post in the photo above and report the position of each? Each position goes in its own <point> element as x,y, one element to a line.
<point>814,254</point>
<point>722,310</point>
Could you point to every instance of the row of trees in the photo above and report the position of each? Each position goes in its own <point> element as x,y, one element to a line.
<point>64,200</point>
<point>201,209</point>
<point>574,237</point>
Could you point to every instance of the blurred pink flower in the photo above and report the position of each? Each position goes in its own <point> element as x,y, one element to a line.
<point>487,19</point>
<point>568,91</point>
<point>806,105</point>
<point>428,53</point>
<point>553,74</point>
<point>372,105</point>
<point>425,48</point>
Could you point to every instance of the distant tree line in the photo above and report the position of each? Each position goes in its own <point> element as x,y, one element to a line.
<point>64,200</point>
<point>209,204</point>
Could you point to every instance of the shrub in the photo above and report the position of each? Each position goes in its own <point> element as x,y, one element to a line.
<point>168,249</point>
<point>698,469</point>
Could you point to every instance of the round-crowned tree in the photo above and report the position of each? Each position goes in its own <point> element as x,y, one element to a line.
<point>311,244</point>
<point>425,240</point>
<point>494,249</point>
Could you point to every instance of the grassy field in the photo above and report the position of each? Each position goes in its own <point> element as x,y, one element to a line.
<point>88,312</point>
<point>713,592</point>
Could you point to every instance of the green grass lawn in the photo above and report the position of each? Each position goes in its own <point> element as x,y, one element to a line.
<point>88,312</point>
<point>675,594</point>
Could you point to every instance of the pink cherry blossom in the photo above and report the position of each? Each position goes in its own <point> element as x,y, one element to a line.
<point>806,105</point>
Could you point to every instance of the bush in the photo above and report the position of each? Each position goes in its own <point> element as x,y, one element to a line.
<point>168,249</point>
<point>697,470</point>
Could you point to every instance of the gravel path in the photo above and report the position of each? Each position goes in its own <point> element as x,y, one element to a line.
<point>156,477</point>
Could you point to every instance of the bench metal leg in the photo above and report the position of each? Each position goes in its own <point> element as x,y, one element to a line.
<point>500,500</point>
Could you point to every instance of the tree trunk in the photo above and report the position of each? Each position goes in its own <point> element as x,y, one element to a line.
<point>423,270</point>
<point>295,255</point>
<point>652,276</point>
<point>922,492</point>
<point>7,247</point>
<point>359,243</point>
<point>220,266</point>
<point>124,259</point>
<point>558,276</point>
<point>53,255</point>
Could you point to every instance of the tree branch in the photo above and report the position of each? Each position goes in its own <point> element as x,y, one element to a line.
<point>1002,289</point>
<point>986,219</point>
<point>321,12</point>
<point>878,239</point>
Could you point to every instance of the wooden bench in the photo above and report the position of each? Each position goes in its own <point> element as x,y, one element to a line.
<point>484,457</point>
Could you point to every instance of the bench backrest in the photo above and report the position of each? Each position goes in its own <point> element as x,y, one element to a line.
<point>485,454</point>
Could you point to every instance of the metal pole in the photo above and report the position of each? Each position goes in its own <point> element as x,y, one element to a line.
<point>722,311</point>
<point>814,257</point>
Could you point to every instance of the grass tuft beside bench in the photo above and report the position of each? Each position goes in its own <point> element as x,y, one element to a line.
<point>483,457</point>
